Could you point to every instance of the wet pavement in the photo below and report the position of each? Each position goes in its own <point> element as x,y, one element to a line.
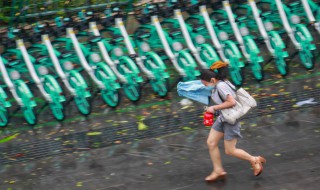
<point>159,143</point>
<point>289,141</point>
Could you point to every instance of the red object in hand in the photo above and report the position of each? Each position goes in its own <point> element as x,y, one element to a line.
<point>208,119</point>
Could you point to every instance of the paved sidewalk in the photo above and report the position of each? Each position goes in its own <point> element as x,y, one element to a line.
<point>289,141</point>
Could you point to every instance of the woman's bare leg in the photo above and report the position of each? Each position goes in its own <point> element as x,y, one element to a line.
<point>212,142</point>
<point>230,149</point>
<point>256,161</point>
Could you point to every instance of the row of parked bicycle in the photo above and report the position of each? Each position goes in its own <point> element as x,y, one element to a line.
<point>74,47</point>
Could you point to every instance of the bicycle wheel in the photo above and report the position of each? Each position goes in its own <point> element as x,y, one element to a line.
<point>52,87</point>
<point>58,110</point>
<point>83,105</point>
<point>155,64</point>
<point>281,65</point>
<point>132,91</point>
<point>111,97</point>
<point>26,96</point>
<point>4,116</point>
<point>188,64</point>
<point>307,58</point>
<point>280,54</point>
<point>81,99</point>
<point>234,71</point>
<point>255,58</point>
<point>29,115</point>
<point>4,104</point>
<point>256,70</point>
<point>208,54</point>
<point>161,87</point>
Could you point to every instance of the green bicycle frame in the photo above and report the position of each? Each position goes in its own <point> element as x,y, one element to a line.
<point>158,39</point>
<point>245,40</point>
<point>72,79</point>
<point>100,73</point>
<point>4,105</point>
<point>11,75</point>
<point>298,33</point>
<point>195,42</point>
<point>271,37</point>
<point>121,65</point>
<point>227,49</point>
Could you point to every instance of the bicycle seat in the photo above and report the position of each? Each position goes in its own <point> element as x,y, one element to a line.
<point>41,58</point>
<point>267,13</point>
<point>133,56</point>
<point>295,3</point>
<point>241,18</point>
<point>198,27</point>
<point>144,35</point>
<point>222,22</point>
<point>116,38</point>
<point>66,54</point>
<point>95,39</point>
<point>175,32</point>
<point>14,62</point>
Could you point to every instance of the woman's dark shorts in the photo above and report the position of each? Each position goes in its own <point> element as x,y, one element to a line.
<point>230,131</point>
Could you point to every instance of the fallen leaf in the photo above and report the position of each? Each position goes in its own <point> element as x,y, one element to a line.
<point>186,128</point>
<point>142,126</point>
<point>79,184</point>
<point>94,133</point>
<point>9,138</point>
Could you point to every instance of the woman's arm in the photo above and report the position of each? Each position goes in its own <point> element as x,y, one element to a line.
<point>229,103</point>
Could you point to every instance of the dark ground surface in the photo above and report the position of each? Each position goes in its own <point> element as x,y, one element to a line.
<point>158,143</point>
<point>289,141</point>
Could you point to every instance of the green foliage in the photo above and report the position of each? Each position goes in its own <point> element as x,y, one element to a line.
<point>11,8</point>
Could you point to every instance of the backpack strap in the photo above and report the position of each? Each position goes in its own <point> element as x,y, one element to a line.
<point>219,94</point>
<point>229,84</point>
